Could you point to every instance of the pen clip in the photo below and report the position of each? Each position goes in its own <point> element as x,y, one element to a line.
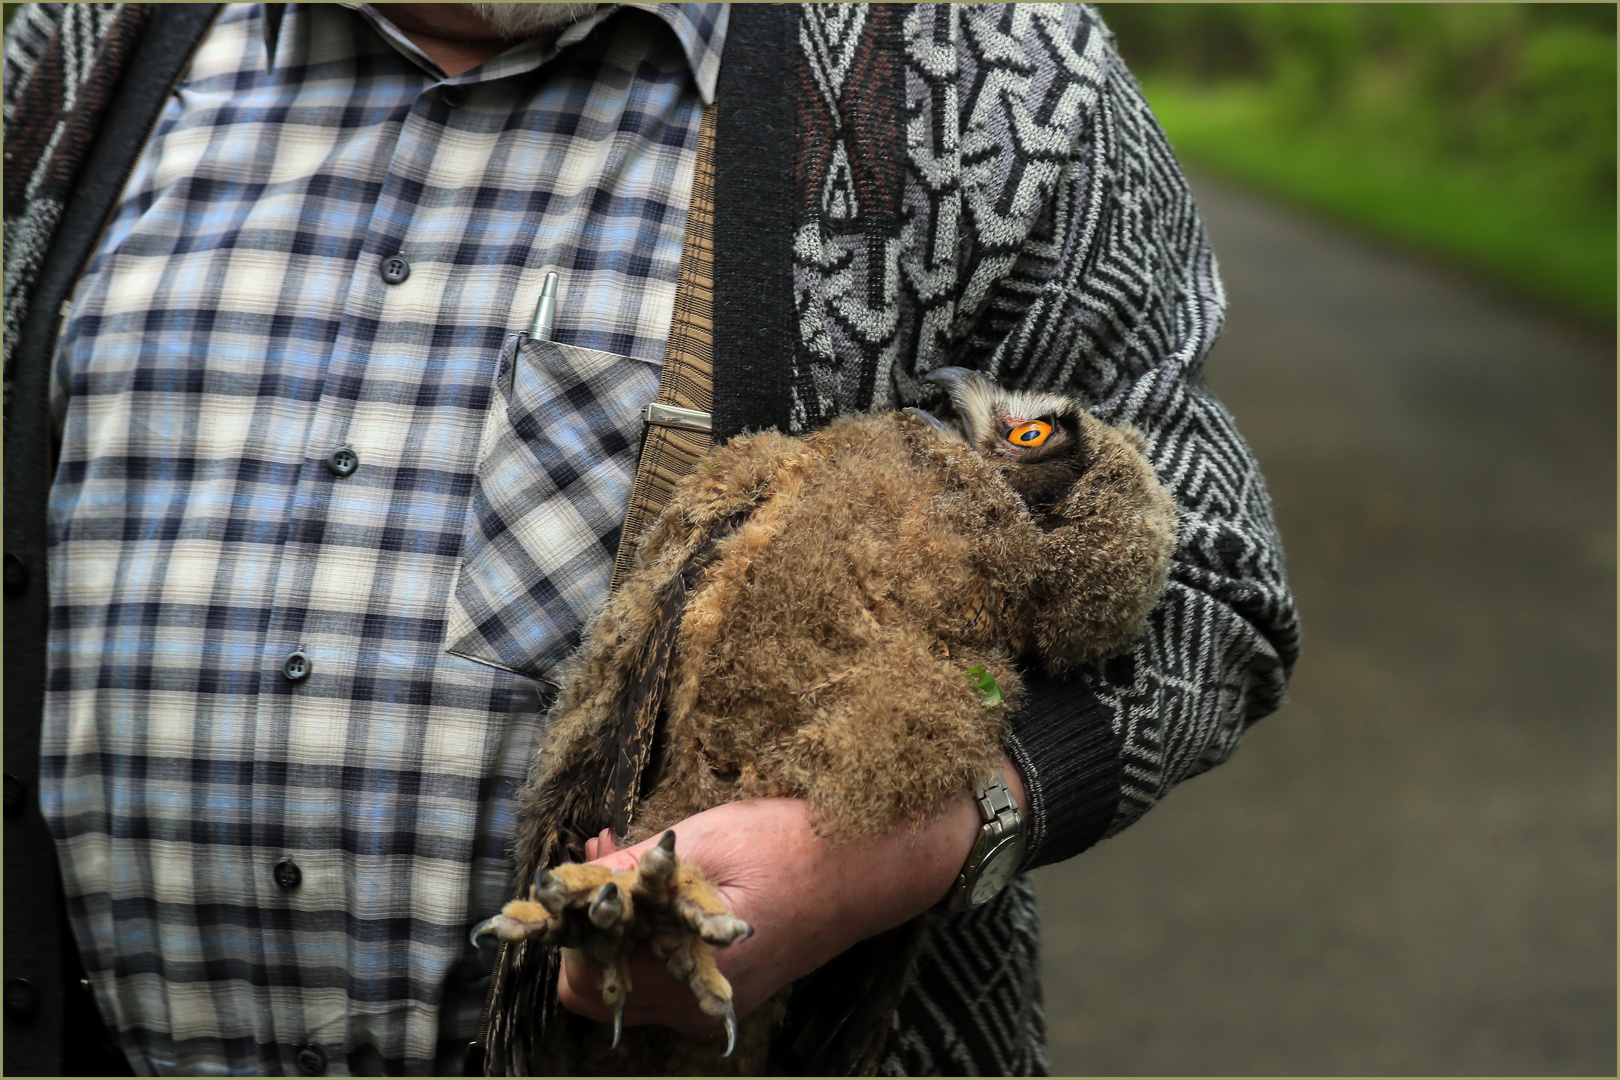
<point>545,312</point>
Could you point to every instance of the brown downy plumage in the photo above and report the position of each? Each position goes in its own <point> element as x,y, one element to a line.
<point>801,623</point>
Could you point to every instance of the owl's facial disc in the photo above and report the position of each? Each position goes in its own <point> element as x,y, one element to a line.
<point>1016,426</point>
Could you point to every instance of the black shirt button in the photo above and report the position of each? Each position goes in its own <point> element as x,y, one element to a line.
<point>454,96</point>
<point>312,1061</point>
<point>395,269</point>
<point>287,874</point>
<point>20,999</point>
<point>343,461</point>
<point>16,794</point>
<point>297,666</point>
<point>16,574</point>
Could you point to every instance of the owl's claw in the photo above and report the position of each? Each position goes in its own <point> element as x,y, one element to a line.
<point>517,921</point>
<point>608,906</point>
<point>488,926</point>
<point>731,1030</point>
<point>618,1025</point>
<point>548,890</point>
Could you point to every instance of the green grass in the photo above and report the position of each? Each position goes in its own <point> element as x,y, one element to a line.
<point>1517,226</point>
<point>1480,133</point>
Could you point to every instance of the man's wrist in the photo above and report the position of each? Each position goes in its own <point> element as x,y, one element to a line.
<point>998,841</point>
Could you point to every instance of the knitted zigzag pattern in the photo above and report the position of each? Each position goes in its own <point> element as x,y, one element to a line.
<point>1034,225</point>
<point>62,63</point>
<point>1038,227</point>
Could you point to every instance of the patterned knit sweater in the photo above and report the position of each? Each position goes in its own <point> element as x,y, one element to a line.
<point>932,184</point>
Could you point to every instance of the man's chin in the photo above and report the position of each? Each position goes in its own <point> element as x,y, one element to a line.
<point>525,20</point>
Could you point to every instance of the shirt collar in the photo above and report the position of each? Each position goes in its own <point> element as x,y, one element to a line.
<point>700,28</point>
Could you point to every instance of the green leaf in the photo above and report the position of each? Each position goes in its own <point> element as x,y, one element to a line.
<point>986,684</point>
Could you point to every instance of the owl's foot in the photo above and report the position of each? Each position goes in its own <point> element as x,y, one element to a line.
<point>688,921</point>
<point>690,959</point>
<point>604,913</point>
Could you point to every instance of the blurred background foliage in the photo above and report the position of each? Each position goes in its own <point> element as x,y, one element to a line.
<point>1482,133</point>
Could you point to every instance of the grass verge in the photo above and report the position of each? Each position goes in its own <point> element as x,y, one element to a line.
<point>1522,230</point>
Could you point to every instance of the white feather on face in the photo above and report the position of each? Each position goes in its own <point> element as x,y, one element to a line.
<point>986,413</point>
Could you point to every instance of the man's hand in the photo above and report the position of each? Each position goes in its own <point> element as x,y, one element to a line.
<point>807,900</point>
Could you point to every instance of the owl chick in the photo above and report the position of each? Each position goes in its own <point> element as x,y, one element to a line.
<point>809,618</point>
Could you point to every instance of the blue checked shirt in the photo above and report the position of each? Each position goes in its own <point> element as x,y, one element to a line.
<point>324,522</point>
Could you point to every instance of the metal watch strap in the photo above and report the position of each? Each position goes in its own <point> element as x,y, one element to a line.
<point>997,804</point>
<point>1002,820</point>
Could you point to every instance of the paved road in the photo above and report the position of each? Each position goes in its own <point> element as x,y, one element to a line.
<point>1410,869</point>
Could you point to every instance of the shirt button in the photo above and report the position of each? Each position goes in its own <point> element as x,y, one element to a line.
<point>296,667</point>
<point>343,461</point>
<point>454,96</point>
<point>312,1061</point>
<point>287,874</point>
<point>395,269</point>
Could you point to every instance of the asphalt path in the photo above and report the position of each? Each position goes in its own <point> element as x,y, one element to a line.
<point>1410,868</point>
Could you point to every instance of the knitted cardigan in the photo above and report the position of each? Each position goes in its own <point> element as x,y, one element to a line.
<point>898,188</point>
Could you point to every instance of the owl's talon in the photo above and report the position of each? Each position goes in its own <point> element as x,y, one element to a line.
<point>618,1025</point>
<point>549,890</point>
<point>608,906</point>
<point>934,422</point>
<point>722,929</point>
<point>731,1030</point>
<point>657,867</point>
<point>488,926</point>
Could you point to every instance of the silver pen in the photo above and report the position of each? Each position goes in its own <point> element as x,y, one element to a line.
<point>546,310</point>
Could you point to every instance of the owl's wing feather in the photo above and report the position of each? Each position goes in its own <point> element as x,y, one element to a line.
<point>594,786</point>
<point>592,789</point>
<point>640,708</point>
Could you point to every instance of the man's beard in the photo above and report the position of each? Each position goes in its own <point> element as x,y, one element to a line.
<point>525,20</point>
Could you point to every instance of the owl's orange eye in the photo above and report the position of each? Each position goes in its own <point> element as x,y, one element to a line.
<point>1029,433</point>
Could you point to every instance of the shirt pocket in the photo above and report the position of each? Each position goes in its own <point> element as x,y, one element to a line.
<point>553,481</point>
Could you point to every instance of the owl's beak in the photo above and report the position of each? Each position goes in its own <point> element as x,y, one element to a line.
<point>953,379</point>
<point>956,382</point>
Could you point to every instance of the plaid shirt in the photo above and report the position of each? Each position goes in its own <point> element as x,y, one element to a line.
<point>324,521</point>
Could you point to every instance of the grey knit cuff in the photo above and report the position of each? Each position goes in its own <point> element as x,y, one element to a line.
<point>1068,755</point>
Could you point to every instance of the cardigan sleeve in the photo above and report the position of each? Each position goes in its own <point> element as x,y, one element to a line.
<point>983,185</point>
<point>1114,294</point>
<point>1077,262</point>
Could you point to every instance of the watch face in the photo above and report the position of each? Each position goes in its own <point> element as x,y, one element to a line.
<point>998,868</point>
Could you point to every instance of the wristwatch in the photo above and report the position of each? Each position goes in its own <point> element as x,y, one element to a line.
<point>999,851</point>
